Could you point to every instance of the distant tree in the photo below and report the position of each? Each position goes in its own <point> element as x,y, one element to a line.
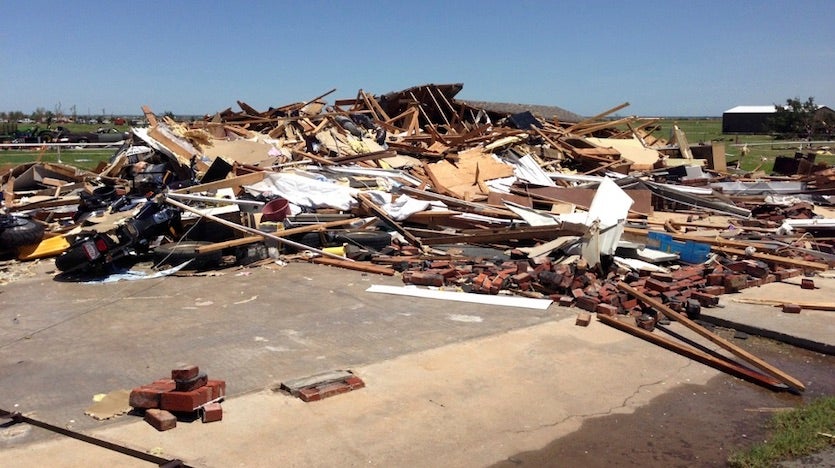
<point>795,119</point>
<point>168,114</point>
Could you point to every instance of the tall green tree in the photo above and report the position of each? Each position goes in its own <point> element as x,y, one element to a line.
<point>795,119</point>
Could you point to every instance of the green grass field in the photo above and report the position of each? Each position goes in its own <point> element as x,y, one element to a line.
<point>762,150</point>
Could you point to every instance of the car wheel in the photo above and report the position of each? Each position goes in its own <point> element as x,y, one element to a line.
<point>16,231</point>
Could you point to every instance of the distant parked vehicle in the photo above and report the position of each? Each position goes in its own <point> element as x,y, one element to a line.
<point>102,135</point>
<point>32,135</point>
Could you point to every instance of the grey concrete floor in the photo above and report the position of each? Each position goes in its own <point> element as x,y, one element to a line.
<point>62,343</point>
<point>448,384</point>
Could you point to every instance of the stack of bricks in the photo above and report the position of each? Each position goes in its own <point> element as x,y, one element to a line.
<point>592,291</point>
<point>187,391</point>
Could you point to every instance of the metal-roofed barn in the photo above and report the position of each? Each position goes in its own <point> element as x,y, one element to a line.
<point>747,119</point>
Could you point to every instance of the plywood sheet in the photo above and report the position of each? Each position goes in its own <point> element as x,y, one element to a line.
<point>472,166</point>
<point>631,149</point>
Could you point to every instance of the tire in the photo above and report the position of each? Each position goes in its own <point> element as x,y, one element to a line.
<point>374,240</point>
<point>175,253</point>
<point>73,258</point>
<point>15,231</point>
<point>312,239</point>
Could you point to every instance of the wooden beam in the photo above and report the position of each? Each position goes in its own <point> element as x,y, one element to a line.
<point>234,182</point>
<point>315,227</point>
<point>723,365</point>
<point>584,123</point>
<point>317,159</point>
<point>827,306</point>
<point>351,265</point>
<point>736,350</point>
<point>149,116</point>
<point>489,236</point>
<point>230,243</point>
<point>776,259</point>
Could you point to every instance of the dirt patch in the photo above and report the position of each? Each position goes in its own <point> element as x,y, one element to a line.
<point>694,425</point>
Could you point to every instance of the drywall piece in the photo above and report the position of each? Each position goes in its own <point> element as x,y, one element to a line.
<point>528,170</point>
<point>504,301</point>
<point>532,216</point>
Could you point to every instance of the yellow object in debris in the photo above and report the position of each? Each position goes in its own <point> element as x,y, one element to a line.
<point>336,250</point>
<point>49,247</point>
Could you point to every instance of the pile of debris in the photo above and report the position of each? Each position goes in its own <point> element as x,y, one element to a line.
<point>481,197</point>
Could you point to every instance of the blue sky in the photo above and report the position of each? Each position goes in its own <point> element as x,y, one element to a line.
<point>665,58</point>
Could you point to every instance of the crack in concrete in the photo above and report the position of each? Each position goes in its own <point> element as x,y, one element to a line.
<point>611,409</point>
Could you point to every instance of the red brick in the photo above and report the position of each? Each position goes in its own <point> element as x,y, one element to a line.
<point>791,273</point>
<point>791,308</point>
<point>185,372</point>
<point>656,285</point>
<point>587,303</point>
<point>606,309</point>
<point>661,276</point>
<point>646,321</point>
<point>185,401</point>
<point>426,279</point>
<point>714,290</point>
<point>756,270</point>
<point>577,293</point>
<point>309,394</point>
<point>355,382</point>
<point>161,420</point>
<point>807,283</point>
<point>167,384</point>
<point>191,384</point>
<point>211,413</point>
<point>629,303</point>
<point>737,267</point>
<point>583,319</point>
<point>566,301</point>
<point>218,388</point>
<point>145,397</point>
<point>449,273</point>
<point>333,388</point>
<point>707,300</point>
<point>733,283</point>
<point>522,277</point>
